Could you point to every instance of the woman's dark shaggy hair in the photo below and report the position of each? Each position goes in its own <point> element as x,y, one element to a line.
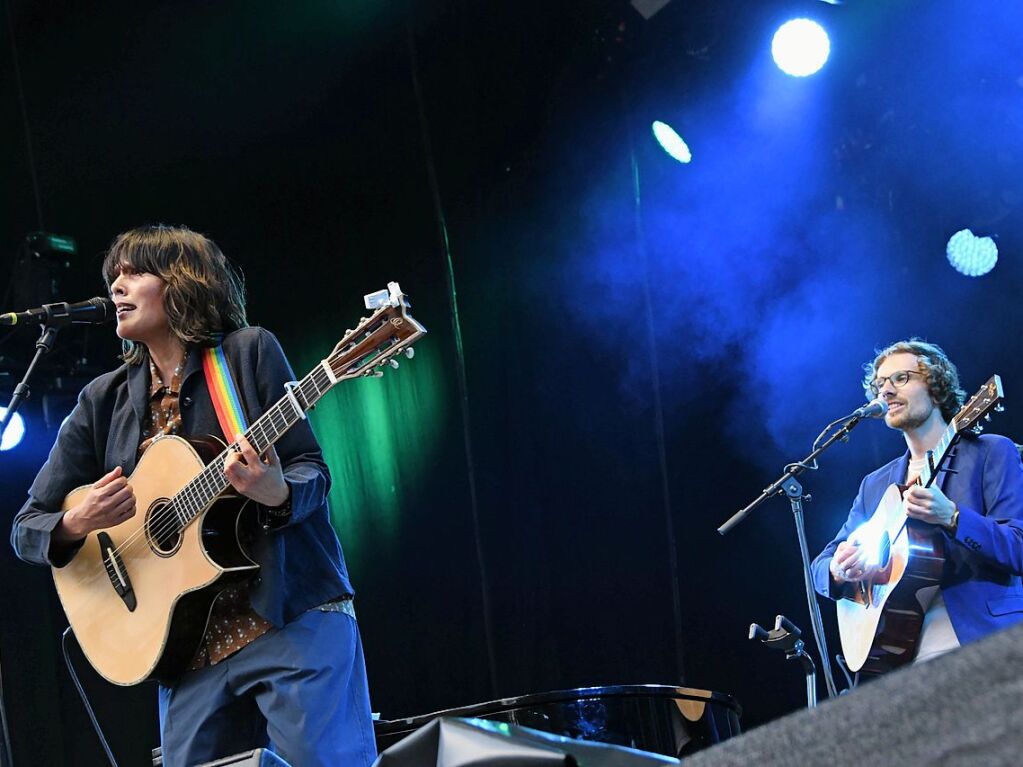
<point>205,294</point>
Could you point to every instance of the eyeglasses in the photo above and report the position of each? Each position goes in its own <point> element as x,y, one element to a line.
<point>899,379</point>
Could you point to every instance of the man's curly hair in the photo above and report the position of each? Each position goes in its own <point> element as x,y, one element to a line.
<point>205,294</point>
<point>939,372</point>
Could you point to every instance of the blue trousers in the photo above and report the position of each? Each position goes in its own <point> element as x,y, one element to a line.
<point>300,690</point>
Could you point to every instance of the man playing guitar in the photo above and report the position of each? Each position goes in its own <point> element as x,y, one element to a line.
<point>976,506</point>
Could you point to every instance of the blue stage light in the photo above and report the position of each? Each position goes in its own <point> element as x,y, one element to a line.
<point>971,255</point>
<point>15,431</point>
<point>671,142</point>
<point>800,47</point>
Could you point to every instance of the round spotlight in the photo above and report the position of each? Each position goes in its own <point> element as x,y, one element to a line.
<point>671,142</point>
<point>14,432</point>
<point>800,47</point>
<point>971,255</point>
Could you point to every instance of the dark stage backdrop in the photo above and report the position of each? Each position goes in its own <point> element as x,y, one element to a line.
<point>645,344</point>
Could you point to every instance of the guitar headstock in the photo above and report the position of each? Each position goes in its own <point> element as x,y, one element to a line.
<point>389,331</point>
<point>987,399</point>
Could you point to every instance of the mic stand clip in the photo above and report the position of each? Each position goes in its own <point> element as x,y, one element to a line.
<point>786,636</point>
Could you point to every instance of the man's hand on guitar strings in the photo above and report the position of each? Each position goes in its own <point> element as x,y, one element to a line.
<point>928,504</point>
<point>262,480</point>
<point>109,502</point>
<point>848,561</point>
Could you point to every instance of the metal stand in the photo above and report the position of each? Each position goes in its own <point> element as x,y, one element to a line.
<point>21,391</point>
<point>785,636</point>
<point>788,485</point>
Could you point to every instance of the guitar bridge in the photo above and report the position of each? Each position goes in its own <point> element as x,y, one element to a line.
<point>115,571</point>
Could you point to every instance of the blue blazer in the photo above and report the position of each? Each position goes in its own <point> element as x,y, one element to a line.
<point>981,583</point>
<point>301,564</point>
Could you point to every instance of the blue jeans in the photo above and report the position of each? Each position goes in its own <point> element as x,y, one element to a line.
<point>301,690</point>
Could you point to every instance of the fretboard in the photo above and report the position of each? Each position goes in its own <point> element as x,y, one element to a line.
<point>938,455</point>
<point>211,482</point>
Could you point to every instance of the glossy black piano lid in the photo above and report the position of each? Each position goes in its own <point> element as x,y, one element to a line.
<point>674,721</point>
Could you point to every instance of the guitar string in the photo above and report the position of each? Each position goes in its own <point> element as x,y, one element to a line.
<point>166,520</point>
<point>170,522</point>
<point>278,416</point>
<point>211,482</point>
<point>190,491</point>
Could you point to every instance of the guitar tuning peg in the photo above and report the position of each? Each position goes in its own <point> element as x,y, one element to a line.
<point>999,408</point>
<point>393,363</point>
<point>377,374</point>
<point>410,353</point>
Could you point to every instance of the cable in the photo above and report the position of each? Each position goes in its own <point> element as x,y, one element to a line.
<point>85,699</point>
<point>7,753</point>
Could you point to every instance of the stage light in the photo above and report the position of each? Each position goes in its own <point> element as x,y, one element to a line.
<point>671,142</point>
<point>14,432</point>
<point>800,47</point>
<point>971,255</point>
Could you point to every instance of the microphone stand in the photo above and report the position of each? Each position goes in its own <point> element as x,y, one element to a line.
<point>790,486</point>
<point>21,392</point>
<point>44,345</point>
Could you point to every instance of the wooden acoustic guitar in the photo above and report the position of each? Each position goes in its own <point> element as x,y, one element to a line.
<point>879,621</point>
<point>138,595</point>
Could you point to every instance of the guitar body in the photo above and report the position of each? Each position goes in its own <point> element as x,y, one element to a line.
<point>880,623</point>
<point>138,595</point>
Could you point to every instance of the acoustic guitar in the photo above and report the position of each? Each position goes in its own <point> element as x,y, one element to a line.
<point>880,619</point>
<point>138,595</point>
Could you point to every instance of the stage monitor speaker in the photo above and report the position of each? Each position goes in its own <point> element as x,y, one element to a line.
<point>453,742</point>
<point>958,709</point>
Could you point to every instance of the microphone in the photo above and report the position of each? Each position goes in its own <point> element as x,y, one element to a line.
<point>95,311</point>
<point>876,408</point>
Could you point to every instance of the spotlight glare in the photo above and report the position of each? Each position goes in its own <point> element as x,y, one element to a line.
<point>14,432</point>
<point>800,47</point>
<point>971,255</point>
<point>671,142</point>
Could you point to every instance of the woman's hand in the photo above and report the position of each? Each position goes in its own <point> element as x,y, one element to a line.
<point>262,480</point>
<point>109,502</point>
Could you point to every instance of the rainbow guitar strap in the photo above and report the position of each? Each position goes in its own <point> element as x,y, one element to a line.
<point>223,392</point>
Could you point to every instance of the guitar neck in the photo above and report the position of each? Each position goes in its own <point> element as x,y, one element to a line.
<point>211,482</point>
<point>938,456</point>
<point>377,339</point>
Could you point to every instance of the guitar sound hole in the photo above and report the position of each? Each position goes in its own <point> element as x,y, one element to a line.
<point>886,550</point>
<point>162,528</point>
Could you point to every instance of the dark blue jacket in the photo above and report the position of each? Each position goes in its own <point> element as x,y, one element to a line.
<point>301,562</point>
<point>981,583</point>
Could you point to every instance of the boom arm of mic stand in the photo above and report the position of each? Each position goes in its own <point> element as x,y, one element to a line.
<point>778,486</point>
<point>789,485</point>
